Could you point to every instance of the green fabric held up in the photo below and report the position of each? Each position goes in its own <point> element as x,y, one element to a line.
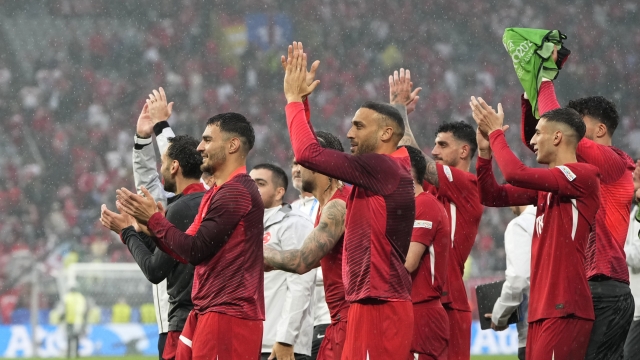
<point>530,51</point>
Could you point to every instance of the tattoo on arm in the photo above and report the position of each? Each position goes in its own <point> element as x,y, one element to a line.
<point>317,244</point>
<point>432,172</point>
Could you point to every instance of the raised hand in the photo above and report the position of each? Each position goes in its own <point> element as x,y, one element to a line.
<point>311,74</point>
<point>295,78</point>
<point>113,221</point>
<point>400,86</point>
<point>144,127</point>
<point>140,207</point>
<point>488,120</point>
<point>159,110</point>
<point>484,147</point>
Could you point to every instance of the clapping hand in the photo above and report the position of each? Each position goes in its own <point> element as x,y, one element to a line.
<point>311,74</point>
<point>140,207</point>
<point>295,78</point>
<point>488,120</point>
<point>400,86</point>
<point>159,110</point>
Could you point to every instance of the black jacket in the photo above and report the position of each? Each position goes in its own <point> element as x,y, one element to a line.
<point>157,265</point>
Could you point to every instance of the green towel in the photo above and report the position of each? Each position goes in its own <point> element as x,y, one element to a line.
<point>530,51</point>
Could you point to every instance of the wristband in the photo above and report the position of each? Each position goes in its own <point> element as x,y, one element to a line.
<point>140,142</point>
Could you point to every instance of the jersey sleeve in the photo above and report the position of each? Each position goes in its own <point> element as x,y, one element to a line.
<point>611,165</point>
<point>374,172</point>
<point>230,204</point>
<point>456,185</point>
<point>576,181</point>
<point>427,222</point>
<point>529,122</point>
<point>495,195</point>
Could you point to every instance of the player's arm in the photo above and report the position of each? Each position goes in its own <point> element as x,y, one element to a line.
<point>516,274</point>
<point>155,265</point>
<point>299,287</point>
<point>360,170</point>
<point>231,203</point>
<point>405,100</point>
<point>316,245</point>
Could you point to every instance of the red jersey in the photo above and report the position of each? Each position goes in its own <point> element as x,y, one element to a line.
<point>458,192</point>
<point>567,199</point>
<point>605,249</point>
<point>380,211</point>
<point>431,229</point>
<point>331,265</point>
<point>226,249</point>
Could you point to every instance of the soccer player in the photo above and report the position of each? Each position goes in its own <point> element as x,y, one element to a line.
<point>427,262</point>
<point>515,290</point>
<point>288,298</point>
<point>448,178</point>
<point>321,316</point>
<point>567,195</point>
<point>381,209</point>
<point>605,266</point>
<point>324,247</point>
<point>224,244</point>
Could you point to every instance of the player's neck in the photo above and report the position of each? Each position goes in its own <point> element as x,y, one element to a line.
<point>223,174</point>
<point>605,140</point>
<point>182,183</point>
<point>386,149</point>
<point>417,189</point>
<point>563,157</point>
<point>463,165</point>
<point>323,193</point>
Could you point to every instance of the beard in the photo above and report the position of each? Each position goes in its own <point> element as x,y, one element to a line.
<point>170,186</point>
<point>308,186</point>
<point>213,161</point>
<point>366,147</point>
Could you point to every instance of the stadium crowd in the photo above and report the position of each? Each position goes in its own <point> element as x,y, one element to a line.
<point>69,123</point>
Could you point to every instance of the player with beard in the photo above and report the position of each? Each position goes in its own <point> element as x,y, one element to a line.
<point>448,178</point>
<point>379,220</point>
<point>606,265</point>
<point>322,247</point>
<point>427,262</point>
<point>224,244</point>
<point>567,195</point>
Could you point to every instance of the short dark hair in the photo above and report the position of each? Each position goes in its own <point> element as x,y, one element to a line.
<point>386,111</point>
<point>236,124</point>
<point>598,108</point>
<point>462,132</point>
<point>278,176</point>
<point>329,141</point>
<point>569,117</point>
<point>183,148</point>
<point>418,163</point>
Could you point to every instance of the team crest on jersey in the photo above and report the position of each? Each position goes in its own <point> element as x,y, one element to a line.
<point>447,172</point>
<point>422,224</point>
<point>567,172</point>
<point>266,238</point>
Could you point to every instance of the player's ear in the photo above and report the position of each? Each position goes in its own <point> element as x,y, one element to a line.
<point>280,191</point>
<point>175,165</point>
<point>601,130</point>
<point>464,151</point>
<point>386,134</point>
<point>557,137</point>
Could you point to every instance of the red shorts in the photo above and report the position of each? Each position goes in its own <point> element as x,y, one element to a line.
<point>218,336</point>
<point>379,331</point>
<point>459,334</point>
<point>171,346</point>
<point>333,342</point>
<point>430,332</point>
<point>558,338</point>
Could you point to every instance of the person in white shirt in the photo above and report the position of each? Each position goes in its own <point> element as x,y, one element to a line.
<point>515,291</point>
<point>289,298</point>
<point>307,204</point>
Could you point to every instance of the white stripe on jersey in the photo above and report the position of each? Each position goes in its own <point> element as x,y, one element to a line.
<point>432,260</point>
<point>452,206</point>
<point>574,220</point>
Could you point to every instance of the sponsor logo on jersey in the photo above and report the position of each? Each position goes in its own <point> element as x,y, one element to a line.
<point>539,224</point>
<point>567,172</point>
<point>266,238</point>
<point>447,172</point>
<point>422,224</point>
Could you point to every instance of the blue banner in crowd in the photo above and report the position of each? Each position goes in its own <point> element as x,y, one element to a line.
<point>136,339</point>
<point>269,30</point>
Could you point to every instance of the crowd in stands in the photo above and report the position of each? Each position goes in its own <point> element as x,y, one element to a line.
<point>68,123</point>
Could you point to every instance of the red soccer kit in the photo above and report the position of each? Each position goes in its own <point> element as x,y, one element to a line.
<point>380,214</point>
<point>567,199</point>
<point>228,284</point>
<point>431,324</point>
<point>458,192</point>
<point>331,264</point>
<point>605,249</point>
